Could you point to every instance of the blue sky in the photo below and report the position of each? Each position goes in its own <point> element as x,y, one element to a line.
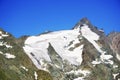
<point>32,17</point>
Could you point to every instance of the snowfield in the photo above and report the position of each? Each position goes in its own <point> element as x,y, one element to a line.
<point>60,40</point>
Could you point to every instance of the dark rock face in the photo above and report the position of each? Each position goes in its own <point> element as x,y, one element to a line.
<point>114,40</point>
<point>116,43</point>
<point>83,21</point>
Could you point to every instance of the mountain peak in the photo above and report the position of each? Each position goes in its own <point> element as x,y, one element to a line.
<point>82,22</point>
<point>85,20</point>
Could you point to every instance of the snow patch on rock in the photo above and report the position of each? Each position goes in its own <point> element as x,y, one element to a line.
<point>36,75</point>
<point>9,56</point>
<point>23,67</point>
<point>118,56</point>
<point>84,72</point>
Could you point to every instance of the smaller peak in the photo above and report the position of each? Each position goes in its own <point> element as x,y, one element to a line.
<point>5,33</point>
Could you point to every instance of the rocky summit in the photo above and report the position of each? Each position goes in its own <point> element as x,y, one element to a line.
<point>82,53</point>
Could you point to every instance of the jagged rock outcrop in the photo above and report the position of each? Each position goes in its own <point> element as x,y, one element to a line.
<point>116,43</point>
<point>114,39</point>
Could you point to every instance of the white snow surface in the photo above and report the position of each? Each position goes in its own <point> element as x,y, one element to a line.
<point>114,75</point>
<point>36,76</point>
<point>96,62</point>
<point>9,56</point>
<point>5,44</point>
<point>91,37</point>
<point>60,40</point>
<point>115,66</point>
<point>1,52</point>
<point>4,35</point>
<point>84,72</point>
<point>79,78</point>
<point>0,32</point>
<point>1,43</point>
<point>1,37</point>
<point>23,67</point>
<point>118,56</point>
<point>8,46</point>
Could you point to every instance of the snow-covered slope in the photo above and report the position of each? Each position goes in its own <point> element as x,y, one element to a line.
<point>60,40</point>
<point>36,46</point>
<point>68,46</point>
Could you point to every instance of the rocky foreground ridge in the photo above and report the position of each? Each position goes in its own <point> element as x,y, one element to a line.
<point>82,53</point>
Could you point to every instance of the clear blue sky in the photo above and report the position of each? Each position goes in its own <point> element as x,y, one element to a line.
<point>32,17</point>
